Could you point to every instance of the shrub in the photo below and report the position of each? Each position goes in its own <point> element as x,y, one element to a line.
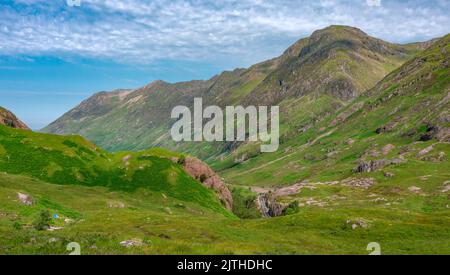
<point>203,177</point>
<point>182,160</point>
<point>17,226</point>
<point>42,222</point>
<point>292,208</point>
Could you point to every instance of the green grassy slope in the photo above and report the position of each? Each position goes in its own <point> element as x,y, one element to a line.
<point>401,126</point>
<point>408,105</point>
<point>72,160</point>
<point>164,225</point>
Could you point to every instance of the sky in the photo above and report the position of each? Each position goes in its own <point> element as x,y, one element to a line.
<point>56,53</point>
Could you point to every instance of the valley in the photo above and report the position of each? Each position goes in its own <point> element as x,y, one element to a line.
<point>363,157</point>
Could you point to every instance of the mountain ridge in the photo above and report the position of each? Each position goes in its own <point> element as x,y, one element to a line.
<point>320,73</point>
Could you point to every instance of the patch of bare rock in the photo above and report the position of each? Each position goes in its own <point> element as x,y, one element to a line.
<point>132,242</point>
<point>373,165</point>
<point>25,199</point>
<point>415,189</point>
<point>202,172</point>
<point>358,223</point>
<point>359,182</point>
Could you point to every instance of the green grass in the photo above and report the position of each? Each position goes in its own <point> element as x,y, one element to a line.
<point>166,228</point>
<point>73,160</point>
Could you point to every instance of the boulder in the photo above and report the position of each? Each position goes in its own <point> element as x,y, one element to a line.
<point>415,189</point>
<point>132,242</point>
<point>387,148</point>
<point>202,172</point>
<point>25,199</point>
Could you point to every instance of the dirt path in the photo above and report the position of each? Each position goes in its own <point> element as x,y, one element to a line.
<point>288,155</point>
<point>280,191</point>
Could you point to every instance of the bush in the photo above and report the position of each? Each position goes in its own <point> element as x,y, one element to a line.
<point>292,208</point>
<point>17,226</point>
<point>203,177</point>
<point>182,160</point>
<point>42,222</point>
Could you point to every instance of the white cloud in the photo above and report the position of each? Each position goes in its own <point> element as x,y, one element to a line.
<point>245,30</point>
<point>373,3</point>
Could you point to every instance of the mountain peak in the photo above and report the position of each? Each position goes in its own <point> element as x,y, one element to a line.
<point>340,28</point>
<point>9,119</point>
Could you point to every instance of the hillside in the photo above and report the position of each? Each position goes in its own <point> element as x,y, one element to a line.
<point>72,160</point>
<point>405,112</point>
<point>149,223</point>
<point>9,119</point>
<point>314,77</point>
<point>377,170</point>
<point>388,149</point>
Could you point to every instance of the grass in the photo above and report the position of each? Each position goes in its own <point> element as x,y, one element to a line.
<point>166,228</point>
<point>73,160</point>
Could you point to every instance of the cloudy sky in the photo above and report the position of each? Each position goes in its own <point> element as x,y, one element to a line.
<point>53,55</point>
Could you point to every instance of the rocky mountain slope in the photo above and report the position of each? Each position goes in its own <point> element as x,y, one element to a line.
<point>9,119</point>
<point>314,77</point>
<point>375,170</point>
<point>401,124</point>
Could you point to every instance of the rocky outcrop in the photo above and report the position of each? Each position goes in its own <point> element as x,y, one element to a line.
<point>25,199</point>
<point>359,182</point>
<point>9,119</point>
<point>268,206</point>
<point>373,165</point>
<point>202,172</point>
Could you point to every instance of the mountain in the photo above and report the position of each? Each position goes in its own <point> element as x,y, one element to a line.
<point>399,127</point>
<point>314,77</point>
<point>375,170</point>
<point>9,119</point>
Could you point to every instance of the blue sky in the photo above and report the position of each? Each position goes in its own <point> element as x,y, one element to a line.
<point>52,55</point>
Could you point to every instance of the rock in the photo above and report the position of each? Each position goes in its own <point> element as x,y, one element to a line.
<point>372,165</point>
<point>25,199</point>
<point>54,228</point>
<point>358,223</point>
<point>116,205</point>
<point>53,240</point>
<point>168,210</point>
<point>425,151</point>
<point>9,119</point>
<point>369,166</point>
<point>359,182</point>
<point>388,174</point>
<point>446,187</point>
<point>126,159</point>
<point>199,170</point>
<point>174,159</point>
<point>435,157</point>
<point>415,189</point>
<point>268,205</point>
<point>387,148</point>
<point>350,141</point>
<point>132,242</point>
<point>385,128</point>
<point>443,134</point>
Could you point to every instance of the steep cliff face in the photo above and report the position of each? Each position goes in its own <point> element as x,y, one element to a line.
<point>202,172</point>
<point>9,119</point>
